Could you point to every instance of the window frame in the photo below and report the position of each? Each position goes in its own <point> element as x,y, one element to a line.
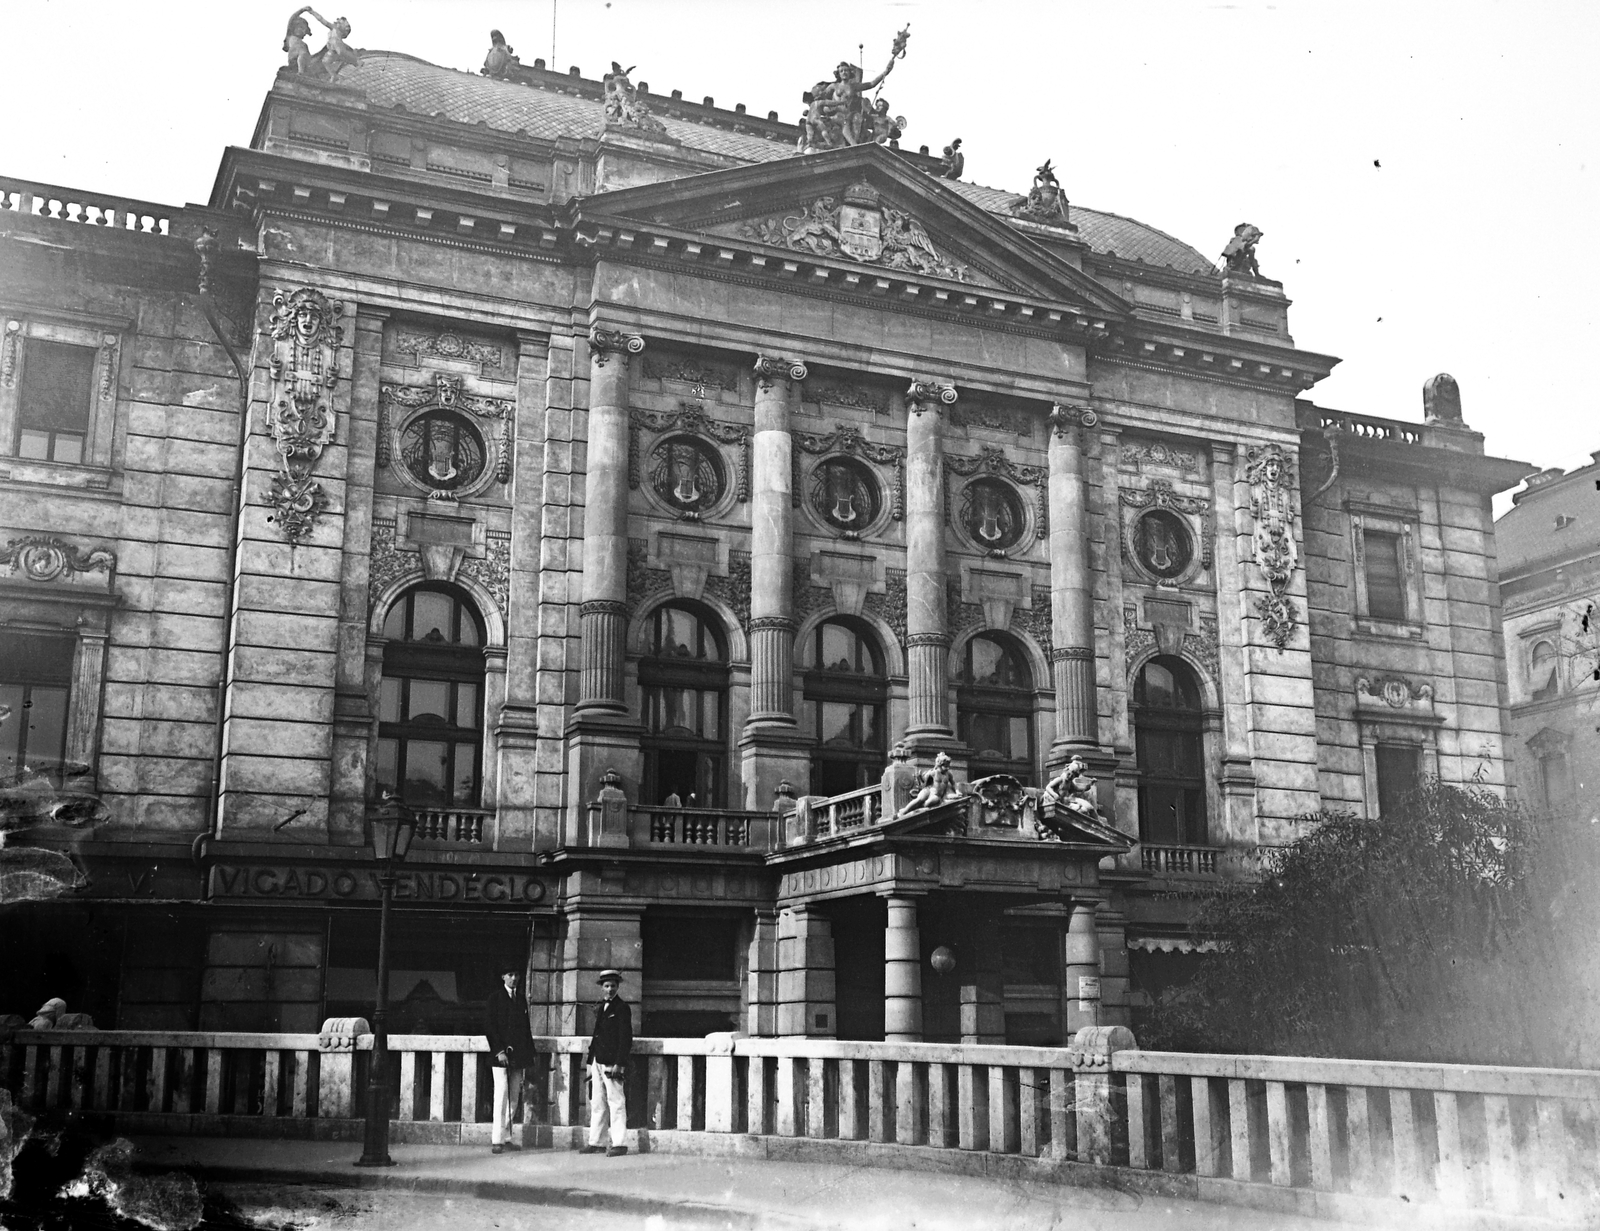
<point>1185,721</point>
<point>107,338</point>
<point>998,700</point>
<point>860,689</point>
<point>1403,524</point>
<point>698,674</point>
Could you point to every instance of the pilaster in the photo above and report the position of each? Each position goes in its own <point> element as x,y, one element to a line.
<point>806,985</point>
<point>1237,780</point>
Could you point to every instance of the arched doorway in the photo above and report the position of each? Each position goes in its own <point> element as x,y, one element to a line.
<point>1169,752</point>
<point>683,681</point>
<point>994,707</point>
<point>430,702</point>
<point>844,707</point>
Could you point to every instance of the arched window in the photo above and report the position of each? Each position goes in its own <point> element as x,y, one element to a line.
<point>683,679</point>
<point>1542,682</point>
<point>844,710</point>
<point>430,705</point>
<point>1169,752</point>
<point>994,708</point>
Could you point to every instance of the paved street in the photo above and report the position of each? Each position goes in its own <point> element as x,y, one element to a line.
<point>442,1186</point>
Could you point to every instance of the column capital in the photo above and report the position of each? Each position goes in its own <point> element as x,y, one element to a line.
<point>781,623</point>
<point>930,395</point>
<point>770,369</point>
<point>603,343</point>
<point>1063,419</point>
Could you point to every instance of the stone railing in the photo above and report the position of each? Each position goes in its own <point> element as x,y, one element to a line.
<point>94,209</point>
<point>1178,860</point>
<point>705,827</point>
<point>852,810</point>
<point>1363,1141</point>
<point>451,826</point>
<point>1371,429</point>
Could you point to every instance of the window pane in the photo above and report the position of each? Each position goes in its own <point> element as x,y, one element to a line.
<point>430,616</point>
<point>388,771</point>
<point>389,701</point>
<point>987,733</point>
<point>68,448</point>
<point>678,634</point>
<point>710,724</point>
<point>871,726</point>
<point>46,711</point>
<point>467,704</point>
<point>840,649</point>
<point>987,662</point>
<point>1160,808</point>
<point>466,780</point>
<point>836,724</point>
<point>468,630</point>
<point>394,624</point>
<point>1399,775</point>
<point>1386,599</point>
<point>1019,737</point>
<point>427,774</point>
<point>808,717</point>
<point>677,712</point>
<point>34,444</point>
<point>57,380</point>
<point>430,701</point>
<point>12,721</point>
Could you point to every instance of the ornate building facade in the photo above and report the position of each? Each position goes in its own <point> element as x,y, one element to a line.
<point>626,491</point>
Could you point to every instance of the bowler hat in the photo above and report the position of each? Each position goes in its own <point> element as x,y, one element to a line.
<point>607,975</point>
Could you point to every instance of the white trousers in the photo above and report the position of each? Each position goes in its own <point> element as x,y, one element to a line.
<point>608,1104</point>
<point>507,1089</point>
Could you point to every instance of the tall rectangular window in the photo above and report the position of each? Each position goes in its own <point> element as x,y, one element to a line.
<point>1399,776</point>
<point>35,683</point>
<point>56,398</point>
<point>1386,593</point>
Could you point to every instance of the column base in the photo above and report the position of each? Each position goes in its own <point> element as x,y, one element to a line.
<point>771,753</point>
<point>597,743</point>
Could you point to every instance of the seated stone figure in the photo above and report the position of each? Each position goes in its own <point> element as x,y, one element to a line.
<point>938,785</point>
<point>1072,789</point>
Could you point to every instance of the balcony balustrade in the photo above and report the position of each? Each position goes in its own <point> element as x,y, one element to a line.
<point>95,209</point>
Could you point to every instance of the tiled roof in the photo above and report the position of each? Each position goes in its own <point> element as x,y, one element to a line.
<point>391,78</point>
<point>1528,532</point>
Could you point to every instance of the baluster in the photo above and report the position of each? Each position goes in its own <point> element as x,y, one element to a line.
<point>656,1092</point>
<point>849,1116</point>
<point>561,1090</point>
<point>1502,1144</point>
<point>469,1088</point>
<point>942,1103</point>
<point>972,1097</point>
<point>213,1081</point>
<point>271,1081</point>
<point>1028,1112</point>
<point>302,1072</point>
<point>156,1083</point>
<point>436,1088</point>
<point>1063,1124</point>
<point>104,1094</point>
<point>1167,1093</point>
<point>1210,1142</point>
<point>788,1117</point>
<point>1239,1128</point>
<point>242,1066</point>
<point>128,1100</point>
<point>1407,1180</point>
<point>756,1096</point>
<point>877,1101</point>
<point>79,1076</point>
<point>685,1119</point>
<point>1320,1138</point>
<point>816,1097</point>
<point>1138,1126</point>
<point>910,1104</point>
<point>1002,1110</point>
<point>721,1113</point>
<point>406,1110</point>
<point>1278,1158</point>
<point>1551,1161</point>
<point>52,1089</point>
<point>32,1053</point>
<point>1358,1137</point>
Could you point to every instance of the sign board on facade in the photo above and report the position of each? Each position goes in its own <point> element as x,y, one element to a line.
<point>281,882</point>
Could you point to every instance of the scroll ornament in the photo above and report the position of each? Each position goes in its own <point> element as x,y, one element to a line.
<point>1268,470</point>
<point>300,415</point>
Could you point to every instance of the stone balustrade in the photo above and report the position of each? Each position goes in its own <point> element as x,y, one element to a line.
<point>709,827</point>
<point>1178,860</point>
<point>1369,428</point>
<point>91,209</point>
<point>1360,1140</point>
<point>451,826</point>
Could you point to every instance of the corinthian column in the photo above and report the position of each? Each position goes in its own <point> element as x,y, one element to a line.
<point>772,749</point>
<point>605,521</point>
<point>772,621</point>
<point>1071,586</point>
<point>927,627</point>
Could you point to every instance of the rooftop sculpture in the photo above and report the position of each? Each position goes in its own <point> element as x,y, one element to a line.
<point>1072,789</point>
<point>1046,201</point>
<point>1239,257</point>
<point>838,113</point>
<point>501,58</point>
<point>624,106</point>
<point>326,64</point>
<point>954,161</point>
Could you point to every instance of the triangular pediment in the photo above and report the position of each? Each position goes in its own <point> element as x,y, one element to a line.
<point>865,207</point>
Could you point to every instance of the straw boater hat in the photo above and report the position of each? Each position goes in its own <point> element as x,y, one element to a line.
<point>607,975</point>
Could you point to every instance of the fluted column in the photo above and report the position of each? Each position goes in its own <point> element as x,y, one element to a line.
<point>772,623</point>
<point>1071,585</point>
<point>605,521</point>
<point>902,974</point>
<point>927,626</point>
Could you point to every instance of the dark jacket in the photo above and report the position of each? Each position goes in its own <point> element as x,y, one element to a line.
<point>613,1033</point>
<point>505,1024</point>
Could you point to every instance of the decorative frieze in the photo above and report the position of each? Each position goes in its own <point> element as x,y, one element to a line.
<point>47,558</point>
<point>1036,622</point>
<point>687,477</point>
<point>1136,641</point>
<point>847,440</point>
<point>1163,548</point>
<point>850,396</point>
<point>890,606</point>
<point>8,353</point>
<point>992,460</point>
<point>1158,454</point>
<point>436,433</point>
<point>446,344</point>
<point>493,570</point>
<point>959,615</point>
<point>300,415</point>
<point>1394,692</point>
<point>1000,418</point>
<point>108,365</point>
<point>860,226</point>
<point>701,374</point>
<point>1270,474</point>
<point>734,590</point>
<point>643,581</point>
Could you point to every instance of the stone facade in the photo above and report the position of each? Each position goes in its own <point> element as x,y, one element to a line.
<point>544,477</point>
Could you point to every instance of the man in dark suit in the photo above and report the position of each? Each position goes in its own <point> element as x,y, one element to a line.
<point>608,1065</point>
<point>505,1025</point>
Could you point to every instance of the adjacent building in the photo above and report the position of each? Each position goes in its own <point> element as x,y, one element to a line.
<point>602,477</point>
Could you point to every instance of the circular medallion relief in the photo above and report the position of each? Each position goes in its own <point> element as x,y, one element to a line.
<point>1161,544</point>
<point>992,513</point>
<point>443,451</point>
<point>687,474</point>
<point>845,494</point>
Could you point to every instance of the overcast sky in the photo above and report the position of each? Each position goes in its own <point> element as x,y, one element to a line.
<point>1424,173</point>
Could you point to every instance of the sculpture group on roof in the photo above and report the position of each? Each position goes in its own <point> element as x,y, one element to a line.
<point>838,113</point>
<point>1046,201</point>
<point>326,64</point>
<point>1239,257</point>
<point>954,161</point>
<point>501,58</point>
<point>623,102</point>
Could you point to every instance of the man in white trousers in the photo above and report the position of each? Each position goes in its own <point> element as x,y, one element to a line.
<point>510,1051</point>
<point>608,1067</point>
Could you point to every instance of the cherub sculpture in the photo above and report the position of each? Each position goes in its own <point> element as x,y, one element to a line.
<point>954,161</point>
<point>332,59</point>
<point>1239,257</point>
<point>837,112</point>
<point>938,785</point>
<point>1072,789</point>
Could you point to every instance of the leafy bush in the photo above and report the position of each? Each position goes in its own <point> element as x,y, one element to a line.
<point>1461,931</point>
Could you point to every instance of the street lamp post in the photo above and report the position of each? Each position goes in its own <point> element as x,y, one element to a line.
<point>392,825</point>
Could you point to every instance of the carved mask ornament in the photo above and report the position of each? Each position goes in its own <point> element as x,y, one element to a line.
<point>300,414</point>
